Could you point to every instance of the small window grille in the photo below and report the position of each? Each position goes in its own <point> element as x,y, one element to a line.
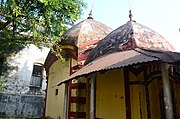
<point>37,75</point>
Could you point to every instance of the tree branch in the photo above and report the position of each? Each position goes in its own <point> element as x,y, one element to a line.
<point>4,24</point>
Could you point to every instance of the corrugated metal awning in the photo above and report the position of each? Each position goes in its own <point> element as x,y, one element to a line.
<point>112,61</point>
<point>126,58</point>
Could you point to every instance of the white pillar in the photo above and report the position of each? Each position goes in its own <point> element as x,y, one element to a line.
<point>66,100</point>
<point>167,91</point>
<point>93,96</point>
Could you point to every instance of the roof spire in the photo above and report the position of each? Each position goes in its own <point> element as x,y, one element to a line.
<point>90,15</point>
<point>130,15</point>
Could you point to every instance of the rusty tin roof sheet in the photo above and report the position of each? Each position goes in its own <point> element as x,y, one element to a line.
<point>125,58</point>
<point>129,36</point>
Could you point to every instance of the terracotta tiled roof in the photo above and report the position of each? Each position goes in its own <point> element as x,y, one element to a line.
<point>129,36</point>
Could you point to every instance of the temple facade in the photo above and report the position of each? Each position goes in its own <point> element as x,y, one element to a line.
<point>67,57</point>
<point>133,73</point>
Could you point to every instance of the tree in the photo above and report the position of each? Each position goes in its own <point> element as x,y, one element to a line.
<point>39,22</point>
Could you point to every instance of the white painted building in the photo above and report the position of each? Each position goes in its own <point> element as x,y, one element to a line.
<point>25,84</point>
<point>27,75</point>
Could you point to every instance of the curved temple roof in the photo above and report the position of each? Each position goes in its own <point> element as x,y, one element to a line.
<point>129,36</point>
<point>86,30</point>
<point>129,44</point>
<point>85,35</point>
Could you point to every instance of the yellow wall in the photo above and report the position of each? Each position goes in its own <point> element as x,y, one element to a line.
<point>154,97</point>
<point>137,98</point>
<point>110,97</point>
<point>55,103</point>
<point>110,94</point>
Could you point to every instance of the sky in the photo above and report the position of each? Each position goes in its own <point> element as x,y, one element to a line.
<point>163,16</point>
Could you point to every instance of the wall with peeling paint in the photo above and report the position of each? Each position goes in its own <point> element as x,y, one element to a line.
<point>18,80</point>
<point>21,105</point>
<point>17,98</point>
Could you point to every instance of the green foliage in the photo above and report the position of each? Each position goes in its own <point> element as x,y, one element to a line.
<point>39,22</point>
<point>2,85</point>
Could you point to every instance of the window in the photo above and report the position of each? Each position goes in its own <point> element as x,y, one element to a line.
<point>37,75</point>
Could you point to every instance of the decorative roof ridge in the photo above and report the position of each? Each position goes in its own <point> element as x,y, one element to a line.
<point>83,22</point>
<point>130,17</point>
<point>90,15</point>
<point>133,38</point>
<point>80,23</point>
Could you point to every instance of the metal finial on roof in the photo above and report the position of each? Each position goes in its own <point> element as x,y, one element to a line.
<point>90,15</point>
<point>130,15</point>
